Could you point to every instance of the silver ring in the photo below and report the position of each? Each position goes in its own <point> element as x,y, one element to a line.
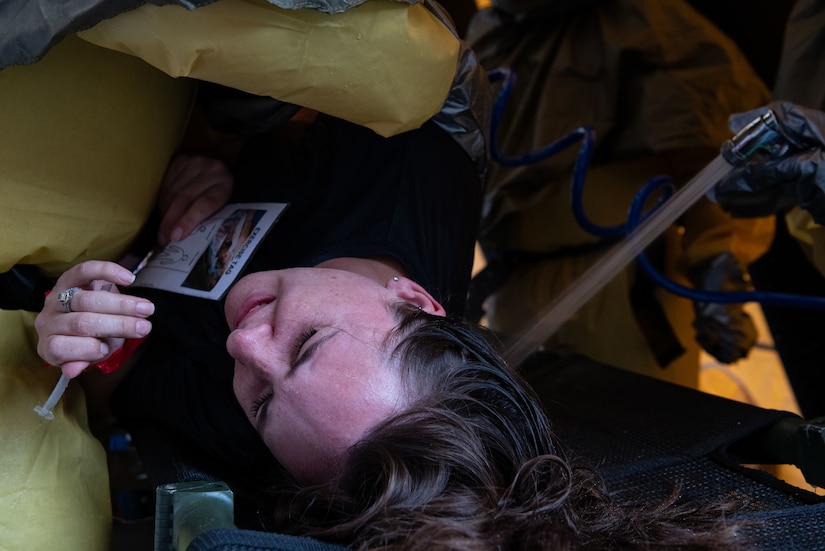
<point>65,298</point>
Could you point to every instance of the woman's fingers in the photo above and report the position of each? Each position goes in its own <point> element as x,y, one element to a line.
<point>73,369</point>
<point>109,302</point>
<point>83,274</point>
<point>64,349</point>
<point>193,189</point>
<point>88,337</point>
<point>101,326</point>
<point>85,318</point>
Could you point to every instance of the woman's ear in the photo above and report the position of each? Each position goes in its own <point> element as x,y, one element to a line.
<point>411,292</point>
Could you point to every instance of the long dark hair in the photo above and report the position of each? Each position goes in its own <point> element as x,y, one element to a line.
<point>473,464</point>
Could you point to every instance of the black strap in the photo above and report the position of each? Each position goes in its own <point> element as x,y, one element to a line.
<point>23,288</point>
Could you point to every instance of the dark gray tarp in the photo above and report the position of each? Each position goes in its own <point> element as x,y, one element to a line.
<point>31,27</point>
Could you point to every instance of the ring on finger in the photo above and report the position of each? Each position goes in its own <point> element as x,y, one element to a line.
<point>65,298</point>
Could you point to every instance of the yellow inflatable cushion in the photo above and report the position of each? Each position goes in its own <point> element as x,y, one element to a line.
<point>54,485</point>
<point>86,137</point>
<point>384,65</point>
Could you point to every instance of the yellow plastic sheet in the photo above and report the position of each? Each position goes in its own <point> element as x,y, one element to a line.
<point>85,137</point>
<point>54,486</point>
<point>384,65</point>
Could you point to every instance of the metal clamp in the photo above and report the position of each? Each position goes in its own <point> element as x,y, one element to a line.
<point>186,509</point>
<point>761,135</point>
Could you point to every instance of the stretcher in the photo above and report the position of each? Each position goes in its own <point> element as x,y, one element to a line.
<point>646,436</point>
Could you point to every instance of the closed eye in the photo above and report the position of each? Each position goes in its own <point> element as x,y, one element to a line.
<point>259,403</point>
<point>310,346</point>
<point>300,343</point>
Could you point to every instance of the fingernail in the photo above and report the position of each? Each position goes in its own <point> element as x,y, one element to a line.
<point>145,308</point>
<point>104,349</point>
<point>142,327</point>
<point>177,233</point>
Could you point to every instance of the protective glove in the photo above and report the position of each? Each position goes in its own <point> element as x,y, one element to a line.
<point>725,331</point>
<point>763,185</point>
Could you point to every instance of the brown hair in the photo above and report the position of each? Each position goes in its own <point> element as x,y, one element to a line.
<point>473,464</point>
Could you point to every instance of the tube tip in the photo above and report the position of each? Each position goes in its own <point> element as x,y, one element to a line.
<point>43,412</point>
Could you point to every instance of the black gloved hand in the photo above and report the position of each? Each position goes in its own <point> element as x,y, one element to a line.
<point>725,331</point>
<point>762,185</point>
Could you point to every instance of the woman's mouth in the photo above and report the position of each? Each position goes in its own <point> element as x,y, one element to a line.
<point>249,306</point>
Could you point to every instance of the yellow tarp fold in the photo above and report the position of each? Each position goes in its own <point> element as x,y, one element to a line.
<point>85,137</point>
<point>384,65</point>
<point>54,485</point>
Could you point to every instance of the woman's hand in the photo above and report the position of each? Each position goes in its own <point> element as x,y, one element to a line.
<point>96,319</point>
<point>193,188</point>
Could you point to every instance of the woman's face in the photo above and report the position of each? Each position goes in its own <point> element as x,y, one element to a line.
<point>312,371</point>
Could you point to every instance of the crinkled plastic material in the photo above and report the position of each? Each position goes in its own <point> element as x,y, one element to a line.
<point>54,485</point>
<point>86,137</point>
<point>465,114</point>
<point>31,27</point>
<point>326,6</point>
<point>384,65</point>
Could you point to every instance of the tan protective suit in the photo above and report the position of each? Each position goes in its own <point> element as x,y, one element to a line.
<point>657,81</point>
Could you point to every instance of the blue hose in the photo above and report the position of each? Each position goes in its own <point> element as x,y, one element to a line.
<point>720,297</point>
<point>664,184</point>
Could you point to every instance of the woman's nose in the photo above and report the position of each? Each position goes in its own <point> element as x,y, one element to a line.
<point>249,346</point>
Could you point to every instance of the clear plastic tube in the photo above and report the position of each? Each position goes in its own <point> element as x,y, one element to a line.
<point>45,411</point>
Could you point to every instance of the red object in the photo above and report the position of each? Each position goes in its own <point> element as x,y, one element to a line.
<point>119,357</point>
